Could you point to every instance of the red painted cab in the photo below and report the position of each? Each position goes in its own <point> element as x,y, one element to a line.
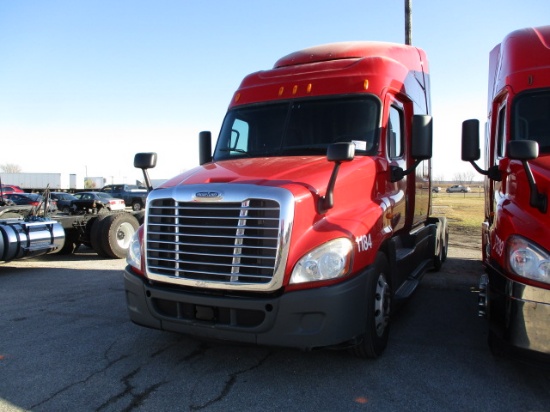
<point>310,220</point>
<point>515,291</point>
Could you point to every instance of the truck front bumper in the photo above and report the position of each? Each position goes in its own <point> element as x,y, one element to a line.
<point>519,314</point>
<point>304,319</point>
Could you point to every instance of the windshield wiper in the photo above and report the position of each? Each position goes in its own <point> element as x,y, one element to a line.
<point>234,150</point>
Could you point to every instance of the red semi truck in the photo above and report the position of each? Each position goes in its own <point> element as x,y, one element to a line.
<point>310,222</point>
<point>515,290</point>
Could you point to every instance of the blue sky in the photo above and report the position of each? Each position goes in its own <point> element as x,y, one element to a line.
<point>84,85</point>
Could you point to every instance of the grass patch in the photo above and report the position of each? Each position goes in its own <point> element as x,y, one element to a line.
<point>464,213</point>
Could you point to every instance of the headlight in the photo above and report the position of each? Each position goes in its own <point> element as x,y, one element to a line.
<point>133,257</point>
<point>329,261</point>
<point>528,260</point>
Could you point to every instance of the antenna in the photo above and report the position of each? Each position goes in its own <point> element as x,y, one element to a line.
<point>408,22</point>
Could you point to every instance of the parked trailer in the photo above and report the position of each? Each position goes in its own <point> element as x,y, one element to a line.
<point>41,181</point>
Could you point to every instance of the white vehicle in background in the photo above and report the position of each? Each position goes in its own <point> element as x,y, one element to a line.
<point>458,189</point>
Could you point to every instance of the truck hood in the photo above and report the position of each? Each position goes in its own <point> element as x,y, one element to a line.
<point>541,166</point>
<point>312,172</point>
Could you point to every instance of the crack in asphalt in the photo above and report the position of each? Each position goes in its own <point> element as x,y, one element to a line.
<point>229,384</point>
<point>137,398</point>
<point>73,384</point>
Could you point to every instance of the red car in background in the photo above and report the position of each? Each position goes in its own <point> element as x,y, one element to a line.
<point>11,189</point>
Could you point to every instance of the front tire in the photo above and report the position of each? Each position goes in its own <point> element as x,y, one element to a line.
<point>441,255</point>
<point>377,328</point>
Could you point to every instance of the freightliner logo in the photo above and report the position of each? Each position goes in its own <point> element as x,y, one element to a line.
<point>207,196</point>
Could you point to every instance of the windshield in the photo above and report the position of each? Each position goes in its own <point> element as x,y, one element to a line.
<point>299,127</point>
<point>531,119</point>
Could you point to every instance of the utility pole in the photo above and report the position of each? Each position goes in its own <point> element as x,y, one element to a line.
<point>408,22</point>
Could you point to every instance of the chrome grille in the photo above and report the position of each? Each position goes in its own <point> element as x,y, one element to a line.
<point>231,243</point>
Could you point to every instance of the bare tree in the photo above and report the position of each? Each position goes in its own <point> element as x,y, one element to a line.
<point>458,177</point>
<point>469,176</point>
<point>10,168</point>
<point>465,177</point>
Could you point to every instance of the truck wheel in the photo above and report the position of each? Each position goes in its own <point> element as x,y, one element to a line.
<point>441,256</point>
<point>136,205</point>
<point>96,240</point>
<point>377,327</point>
<point>116,234</point>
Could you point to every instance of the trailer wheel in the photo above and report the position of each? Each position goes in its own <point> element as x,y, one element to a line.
<point>378,297</point>
<point>96,239</point>
<point>116,234</point>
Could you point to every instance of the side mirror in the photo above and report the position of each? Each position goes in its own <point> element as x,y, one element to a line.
<point>470,140</point>
<point>471,151</point>
<point>145,160</point>
<point>422,137</point>
<point>341,152</point>
<point>205,147</point>
<point>523,149</point>
<point>421,147</point>
<point>337,153</point>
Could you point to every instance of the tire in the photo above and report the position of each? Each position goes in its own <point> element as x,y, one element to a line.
<point>66,209</point>
<point>136,205</point>
<point>116,234</point>
<point>441,257</point>
<point>378,297</point>
<point>96,240</point>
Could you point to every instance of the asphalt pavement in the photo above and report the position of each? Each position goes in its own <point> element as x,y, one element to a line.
<point>66,344</point>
